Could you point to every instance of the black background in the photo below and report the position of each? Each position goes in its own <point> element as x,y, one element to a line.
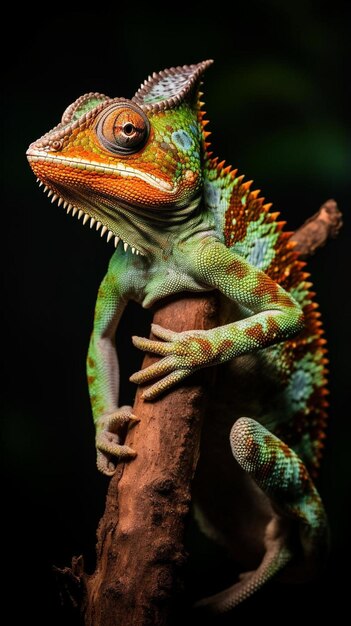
<point>279,105</point>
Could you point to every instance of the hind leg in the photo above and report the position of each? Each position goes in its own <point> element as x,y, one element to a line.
<point>282,476</point>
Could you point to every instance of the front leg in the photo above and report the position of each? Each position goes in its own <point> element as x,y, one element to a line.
<point>275,317</point>
<point>110,421</point>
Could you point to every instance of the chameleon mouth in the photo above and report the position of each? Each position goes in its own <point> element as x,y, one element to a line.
<point>35,155</point>
<point>72,209</point>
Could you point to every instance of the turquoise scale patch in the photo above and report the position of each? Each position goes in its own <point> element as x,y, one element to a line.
<point>259,253</point>
<point>258,246</point>
<point>182,140</point>
<point>308,374</point>
<point>217,194</point>
<point>212,195</point>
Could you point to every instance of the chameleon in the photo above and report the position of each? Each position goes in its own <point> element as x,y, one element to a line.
<point>140,171</point>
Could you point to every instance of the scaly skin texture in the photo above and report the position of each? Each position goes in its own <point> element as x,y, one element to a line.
<point>140,171</point>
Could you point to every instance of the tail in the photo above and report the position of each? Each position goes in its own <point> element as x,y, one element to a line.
<point>282,476</point>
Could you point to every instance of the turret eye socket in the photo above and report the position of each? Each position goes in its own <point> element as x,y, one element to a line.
<point>123,128</point>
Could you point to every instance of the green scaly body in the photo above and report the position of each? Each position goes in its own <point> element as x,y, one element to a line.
<point>141,172</point>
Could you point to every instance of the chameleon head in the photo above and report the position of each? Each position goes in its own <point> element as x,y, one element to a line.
<point>113,160</point>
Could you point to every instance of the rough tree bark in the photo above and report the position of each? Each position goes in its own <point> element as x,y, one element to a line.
<point>140,536</point>
<point>317,229</point>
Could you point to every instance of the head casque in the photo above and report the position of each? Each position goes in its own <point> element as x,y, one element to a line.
<point>116,160</point>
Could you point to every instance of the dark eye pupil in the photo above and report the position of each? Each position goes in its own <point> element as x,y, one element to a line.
<point>128,128</point>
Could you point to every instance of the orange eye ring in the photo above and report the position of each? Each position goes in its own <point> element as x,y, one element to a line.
<point>123,128</point>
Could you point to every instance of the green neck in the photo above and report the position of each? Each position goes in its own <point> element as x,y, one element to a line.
<point>156,237</point>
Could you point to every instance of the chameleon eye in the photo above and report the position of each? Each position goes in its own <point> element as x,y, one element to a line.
<point>123,128</point>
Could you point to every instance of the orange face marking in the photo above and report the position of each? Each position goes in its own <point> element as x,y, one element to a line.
<point>138,189</point>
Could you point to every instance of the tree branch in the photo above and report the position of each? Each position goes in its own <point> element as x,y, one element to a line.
<point>140,537</point>
<point>315,232</point>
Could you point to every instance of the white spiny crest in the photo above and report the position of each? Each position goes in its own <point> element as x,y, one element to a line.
<point>93,222</point>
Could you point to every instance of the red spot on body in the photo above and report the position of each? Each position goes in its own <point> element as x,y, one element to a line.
<point>91,362</point>
<point>252,449</point>
<point>273,326</point>
<point>286,450</point>
<point>270,288</point>
<point>206,349</point>
<point>237,269</point>
<point>303,474</point>
<point>262,336</point>
<point>286,301</point>
<point>204,344</point>
<point>226,344</point>
<point>266,286</point>
<point>256,332</point>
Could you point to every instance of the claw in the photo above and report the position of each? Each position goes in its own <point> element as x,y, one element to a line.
<point>107,466</point>
<point>104,465</point>
<point>118,419</point>
<point>133,420</point>
<point>109,429</point>
<point>107,442</point>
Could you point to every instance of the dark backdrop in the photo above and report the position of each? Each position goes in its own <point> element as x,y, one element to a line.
<point>278,102</point>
